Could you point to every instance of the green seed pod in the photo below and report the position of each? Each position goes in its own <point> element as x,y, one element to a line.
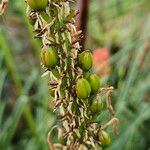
<point>37,5</point>
<point>83,88</point>
<point>96,107</point>
<point>85,60</point>
<point>49,57</point>
<point>104,138</point>
<point>94,81</point>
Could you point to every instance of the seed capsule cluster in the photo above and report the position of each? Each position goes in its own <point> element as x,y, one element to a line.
<point>75,90</point>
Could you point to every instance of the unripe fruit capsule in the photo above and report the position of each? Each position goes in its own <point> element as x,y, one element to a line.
<point>96,107</point>
<point>37,5</point>
<point>49,57</point>
<point>94,81</point>
<point>85,61</point>
<point>104,138</point>
<point>83,88</point>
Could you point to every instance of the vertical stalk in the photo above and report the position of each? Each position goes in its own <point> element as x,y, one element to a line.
<point>75,90</point>
<point>82,18</point>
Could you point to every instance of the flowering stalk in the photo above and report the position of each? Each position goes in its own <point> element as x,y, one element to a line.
<point>75,91</point>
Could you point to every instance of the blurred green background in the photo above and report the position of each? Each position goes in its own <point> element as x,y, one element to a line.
<point>122,28</point>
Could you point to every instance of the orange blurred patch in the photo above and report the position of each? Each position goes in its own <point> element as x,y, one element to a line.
<point>100,57</point>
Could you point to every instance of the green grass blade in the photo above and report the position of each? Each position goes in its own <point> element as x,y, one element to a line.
<point>11,123</point>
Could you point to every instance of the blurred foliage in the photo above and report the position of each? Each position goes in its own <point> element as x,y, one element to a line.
<point>26,113</point>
